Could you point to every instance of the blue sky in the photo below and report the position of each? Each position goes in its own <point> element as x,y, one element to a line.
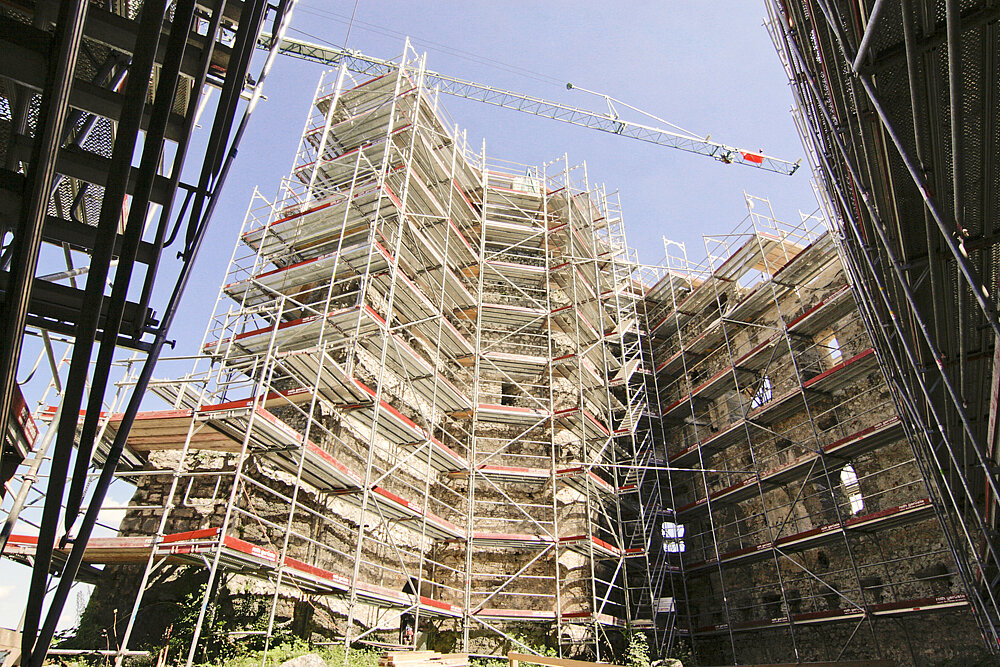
<point>706,66</point>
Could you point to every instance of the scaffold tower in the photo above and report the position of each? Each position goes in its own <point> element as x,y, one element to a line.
<point>440,405</point>
<point>424,402</point>
<point>804,529</point>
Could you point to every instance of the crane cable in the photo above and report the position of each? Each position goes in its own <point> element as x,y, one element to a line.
<point>350,25</point>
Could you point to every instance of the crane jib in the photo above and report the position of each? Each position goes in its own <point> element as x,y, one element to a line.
<point>370,66</point>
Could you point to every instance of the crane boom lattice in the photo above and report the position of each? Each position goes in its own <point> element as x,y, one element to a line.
<point>358,62</point>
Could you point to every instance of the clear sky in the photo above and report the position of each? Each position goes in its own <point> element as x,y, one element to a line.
<point>706,66</point>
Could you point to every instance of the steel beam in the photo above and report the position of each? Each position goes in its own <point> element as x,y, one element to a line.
<point>119,168</point>
<point>149,163</point>
<point>866,39</point>
<point>38,183</point>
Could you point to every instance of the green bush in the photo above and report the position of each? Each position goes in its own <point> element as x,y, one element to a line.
<point>334,655</point>
<point>637,650</point>
<point>233,627</point>
<point>681,650</point>
<point>541,646</point>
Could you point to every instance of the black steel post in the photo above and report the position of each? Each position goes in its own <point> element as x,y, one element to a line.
<point>27,239</point>
<point>75,559</point>
<point>954,30</point>
<point>869,33</point>
<point>179,156</point>
<point>150,22</point>
<point>152,152</point>
<point>246,38</point>
<point>951,234</point>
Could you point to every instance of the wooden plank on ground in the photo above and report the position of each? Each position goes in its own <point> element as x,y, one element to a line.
<point>515,658</point>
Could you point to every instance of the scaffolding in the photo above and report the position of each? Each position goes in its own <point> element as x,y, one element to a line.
<point>425,403</point>
<point>802,520</point>
<point>99,103</point>
<point>438,392</point>
<point>910,193</point>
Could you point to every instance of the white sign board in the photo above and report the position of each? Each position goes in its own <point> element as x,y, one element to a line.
<point>663,605</point>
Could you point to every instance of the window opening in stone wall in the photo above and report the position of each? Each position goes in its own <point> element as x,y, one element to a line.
<point>673,537</point>
<point>763,394</point>
<point>849,479</point>
<point>833,346</point>
<point>508,392</point>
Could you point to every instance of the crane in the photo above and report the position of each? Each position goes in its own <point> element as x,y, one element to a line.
<point>610,122</point>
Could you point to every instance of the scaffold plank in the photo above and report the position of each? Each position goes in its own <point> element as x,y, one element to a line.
<point>522,541</point>
<point>340,221</point>
<point>315,367</point>
<point>762,252</point>
<point>443,458</point>
<point>310,277</point>
<point>809,261</point>
<point>764,295</point>
<point>505,414</point>
<point>516,614</point>
<point>99,550</point>
<point>341,324</point>
<point>579,369</point>
<point>528,234</point>
<point>320,468</point>
<point>584,480</point>
<point>434,268</point>
<point>871,437</point>
<point>825,313</point>
<point>359,163</point>
<point>582,423</point>
<point>675,363</point>
<point>595,617</point>
<point>418,373</point>
<point>711,336</point>
<point>682,407</point>
<point>356,125</point>
<point>844,373</point>
<point>725,380</point>
<point>509,474</point>
<point>388,505</point>
<point>571,321</point>
<point>168,429</point>
<point>391,424</point>
<point>445,234</point>
<point>588,545</point>
<point>515,365</point>
<point>779,407</point>
<point>410,304</point>
<point>758,358</point>
<point>938,603</point>
<point>261,428</point>
<point>574,281</point>
<point>518,273</point>
<point>506,315</point>
<point>867,439</point>
<point>671,285</point>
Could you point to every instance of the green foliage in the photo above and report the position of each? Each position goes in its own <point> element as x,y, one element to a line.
<point>294,647</point>
<point>213,643</point>
<point>681,650</point>
<point>233,626</point>
<point>487,662</point>
<point>637,650</point>
<point>224,640</point>
<point>543,647</point>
